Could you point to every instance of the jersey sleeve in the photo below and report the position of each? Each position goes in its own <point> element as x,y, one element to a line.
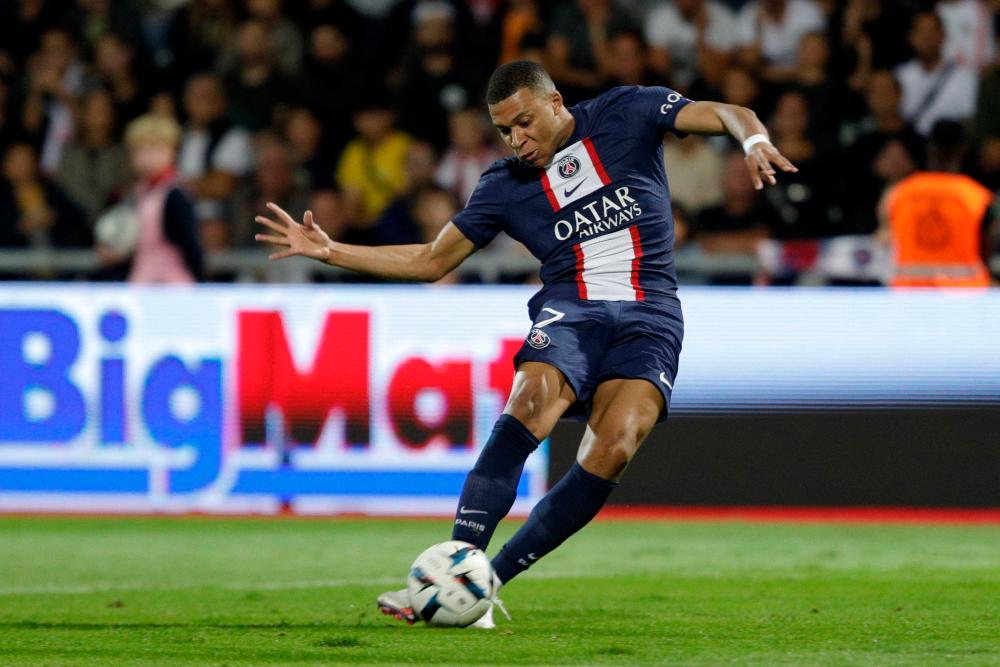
<point>482,218</point>
<point>656,108</point>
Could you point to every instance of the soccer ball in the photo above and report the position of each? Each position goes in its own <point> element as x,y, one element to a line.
<point>451,584</point>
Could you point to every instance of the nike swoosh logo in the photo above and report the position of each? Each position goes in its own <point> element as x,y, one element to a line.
<point>664,380</point>
<point>569,193</point>
<point>462,510</point>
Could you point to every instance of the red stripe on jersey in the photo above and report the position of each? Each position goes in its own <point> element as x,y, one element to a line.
<point>580,285</point>
<point>637,250</point>
<point>547,187</point>
<point>596,159</point>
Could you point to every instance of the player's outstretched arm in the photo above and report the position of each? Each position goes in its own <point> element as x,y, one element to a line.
<point>425,262</point>
<point>742,123</point>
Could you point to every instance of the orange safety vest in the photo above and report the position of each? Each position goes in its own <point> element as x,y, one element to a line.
<point>936,221</point>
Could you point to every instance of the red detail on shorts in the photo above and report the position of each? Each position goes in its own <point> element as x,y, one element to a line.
<point>596,159</point>
<point>580,285</point>
<point>637,251</point>
<point>547,187</point>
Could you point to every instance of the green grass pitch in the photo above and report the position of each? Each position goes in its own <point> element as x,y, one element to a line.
<point>199,591</point>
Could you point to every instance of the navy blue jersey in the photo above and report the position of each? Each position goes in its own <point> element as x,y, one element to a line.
<point>598,217</point>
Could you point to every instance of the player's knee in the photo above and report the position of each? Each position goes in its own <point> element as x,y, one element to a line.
<point>610,453</point>
<point>529,403</point>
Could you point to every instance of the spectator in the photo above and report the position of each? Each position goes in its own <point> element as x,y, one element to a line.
<point>94,166</point>
<point>167,248</point>
<point>433,208</point>
<point>934,88</point>
<point>768,33</point>
<point>196,34</point>
<point>97,18</point>
<point>397,224</point>
<point>114,69</point>
<point>969,32</point>
<point>629,58</point>
<point>34,212</point>
<point>740,221</point>
<point>740,86</point>
<point>282,34</point>
<point>831,101</point>
<point>337,13</point>
<point>894,162</point>
<point>312,162</point>
<point>330,213</point>
<point>870,30</point>
<point>255,88</point>
<point>434,80</point>
<point>55,75</point>
<point>696,171</point>
<point>372,169</point>
<point>214,153</point>
<point>803,199</point>
<point>272,181</point>
<point>522,26</point>
<point>164,104</point>
<point>946,149</point>
<point>22,25</point>
<point>578,52</point>
<point>413,23</point>
<point>883,124</point>
<point>330,82</point>
<point>469,153</point>
<point>691,41</point>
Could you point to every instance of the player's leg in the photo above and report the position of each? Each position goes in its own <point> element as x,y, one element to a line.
<point>557,365</point>
<point>624,411</point>
<point>539,396</point>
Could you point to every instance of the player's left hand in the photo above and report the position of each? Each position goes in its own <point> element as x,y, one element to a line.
<point>762,160</point>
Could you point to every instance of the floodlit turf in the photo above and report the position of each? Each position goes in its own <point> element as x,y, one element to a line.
<point>301,592</point>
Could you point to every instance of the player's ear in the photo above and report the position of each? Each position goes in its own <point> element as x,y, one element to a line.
<point>557,100</point>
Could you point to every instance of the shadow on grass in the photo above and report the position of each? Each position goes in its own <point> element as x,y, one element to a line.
<point>277,625</point>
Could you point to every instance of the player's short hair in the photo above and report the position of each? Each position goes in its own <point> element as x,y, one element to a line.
<point>513,76</point>
<point>152,129</point>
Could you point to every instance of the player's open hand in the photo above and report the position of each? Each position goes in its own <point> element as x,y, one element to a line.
<point>762,160</point>
<point>305,239</point>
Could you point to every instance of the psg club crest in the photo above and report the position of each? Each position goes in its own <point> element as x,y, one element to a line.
<point>538,339</point>
<point>568,166</point>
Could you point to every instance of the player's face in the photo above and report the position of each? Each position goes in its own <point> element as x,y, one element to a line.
<point>530,123</point>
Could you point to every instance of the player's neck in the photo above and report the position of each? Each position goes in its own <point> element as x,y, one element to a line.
<point>568,124</point>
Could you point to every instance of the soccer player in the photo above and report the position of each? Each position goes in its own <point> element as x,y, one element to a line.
<point>587,193</point>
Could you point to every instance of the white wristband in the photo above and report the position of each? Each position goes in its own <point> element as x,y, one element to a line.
<point>753,140</point>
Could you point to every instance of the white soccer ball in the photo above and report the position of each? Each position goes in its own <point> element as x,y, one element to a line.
<point>451,584</point>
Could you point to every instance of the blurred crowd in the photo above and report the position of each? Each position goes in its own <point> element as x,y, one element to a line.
<point>370,112</point>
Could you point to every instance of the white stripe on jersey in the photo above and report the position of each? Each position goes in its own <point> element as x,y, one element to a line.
<point>607,267</point>
<point>575,172</point>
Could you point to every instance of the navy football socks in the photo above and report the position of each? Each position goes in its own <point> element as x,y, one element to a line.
<point>565,509</point>
<point>491,486</point>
